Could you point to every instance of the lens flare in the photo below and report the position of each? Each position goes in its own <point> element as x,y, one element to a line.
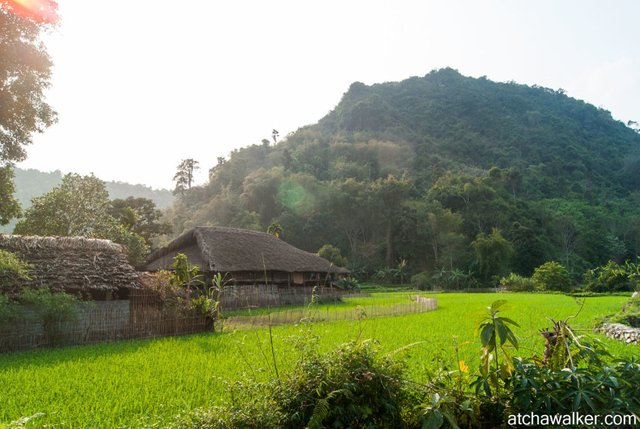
<point>45,11</point>
<point>295,197</point>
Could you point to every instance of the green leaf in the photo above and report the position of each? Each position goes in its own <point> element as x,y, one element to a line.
<point>434,420</point>
<point>497,304</point>
<point>452,421</point>
<point>486,335</point>
<point>509,321</point>
<point>589,402</point>
<point>512,338</point>
<point>502,332</point>
<point>576,402</point>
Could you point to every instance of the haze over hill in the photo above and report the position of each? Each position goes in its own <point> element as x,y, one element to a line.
<point>422,169</point>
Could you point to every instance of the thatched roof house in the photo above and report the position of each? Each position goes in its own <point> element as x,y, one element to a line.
<point>249,257</point>
<point>91,267</point>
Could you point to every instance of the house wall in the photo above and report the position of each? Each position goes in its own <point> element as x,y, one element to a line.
<point>280,278</point>
<point>298,278</point>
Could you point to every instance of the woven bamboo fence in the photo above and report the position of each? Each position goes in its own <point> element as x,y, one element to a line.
<point>312,313</point>
<point>261,295</point>
<point>144,315</point>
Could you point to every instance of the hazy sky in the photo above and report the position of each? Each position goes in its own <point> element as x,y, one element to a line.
<point>140,85</point>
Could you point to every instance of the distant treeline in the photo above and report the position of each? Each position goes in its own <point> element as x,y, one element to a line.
<point>32,183</point>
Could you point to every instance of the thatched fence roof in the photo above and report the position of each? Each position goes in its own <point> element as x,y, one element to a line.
<point>221,249</point>
<point>75,264</point>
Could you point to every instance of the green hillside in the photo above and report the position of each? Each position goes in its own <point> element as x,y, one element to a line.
<point>445,172</point>
<point>480,123</point>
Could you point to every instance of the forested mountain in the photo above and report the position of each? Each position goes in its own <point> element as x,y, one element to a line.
<point>450,173</point>
<point>32,183</point>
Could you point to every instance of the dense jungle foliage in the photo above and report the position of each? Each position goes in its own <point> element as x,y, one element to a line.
<point>461,178</point>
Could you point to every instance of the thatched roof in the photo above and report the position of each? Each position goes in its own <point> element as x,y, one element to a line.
<point>221,249</point>
<point>72,263</point>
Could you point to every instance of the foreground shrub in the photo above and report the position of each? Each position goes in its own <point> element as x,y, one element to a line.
<point>352,386</point>
<point>609,389</point>
<point>355,387</point>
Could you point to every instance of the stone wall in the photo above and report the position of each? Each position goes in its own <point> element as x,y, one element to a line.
<point>621,332</point>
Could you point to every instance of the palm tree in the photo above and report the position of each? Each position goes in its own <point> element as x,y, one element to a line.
<point>275,229</point>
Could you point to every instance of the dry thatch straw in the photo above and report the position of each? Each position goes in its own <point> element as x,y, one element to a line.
<point>74,264</point>
<point>221,249</point>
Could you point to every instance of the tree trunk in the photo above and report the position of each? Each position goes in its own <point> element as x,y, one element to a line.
<point>389,257</point>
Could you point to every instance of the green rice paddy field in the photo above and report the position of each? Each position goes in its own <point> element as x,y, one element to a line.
<point>147,383</point>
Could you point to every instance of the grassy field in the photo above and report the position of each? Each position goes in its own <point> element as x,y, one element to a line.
<point>144,383</point>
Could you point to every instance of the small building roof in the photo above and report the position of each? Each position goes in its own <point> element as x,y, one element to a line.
<point>222,249</point>
<point>71,263</point>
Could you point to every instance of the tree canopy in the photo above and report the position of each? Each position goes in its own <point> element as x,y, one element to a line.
<point>25,70</point>
<point>80,206</point>
<point>428,169</point>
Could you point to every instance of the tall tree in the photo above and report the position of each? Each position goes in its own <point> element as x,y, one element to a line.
<point>275,229</point>
<point>141,216</point>
<point>493,253</point>
<point>79,207</point>
<point>184,175</point>
<point>9,206</point>
<point>389,194</point>
<point>440,229</point>
<point>25,70</point>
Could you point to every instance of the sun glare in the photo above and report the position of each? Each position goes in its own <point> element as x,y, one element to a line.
<point>37,10</point>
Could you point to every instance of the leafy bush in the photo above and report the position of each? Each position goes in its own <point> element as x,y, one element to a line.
<point>551,276</point>
<point>421,280</point>
<point>352,386</point>
<point>12,271</point>
<point>8,311</point>
<point>53,310</point>
<point>605,389</point>
<point>361,270</point>
<point>332,254</point>
<point>349,283</point>
<point>612,277</point>
<point>387,275</point>
<point>184,293</point>
<point>355,387</point>
<point>185,274</point>
<point>516,283</point>
<point>137,248</point>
